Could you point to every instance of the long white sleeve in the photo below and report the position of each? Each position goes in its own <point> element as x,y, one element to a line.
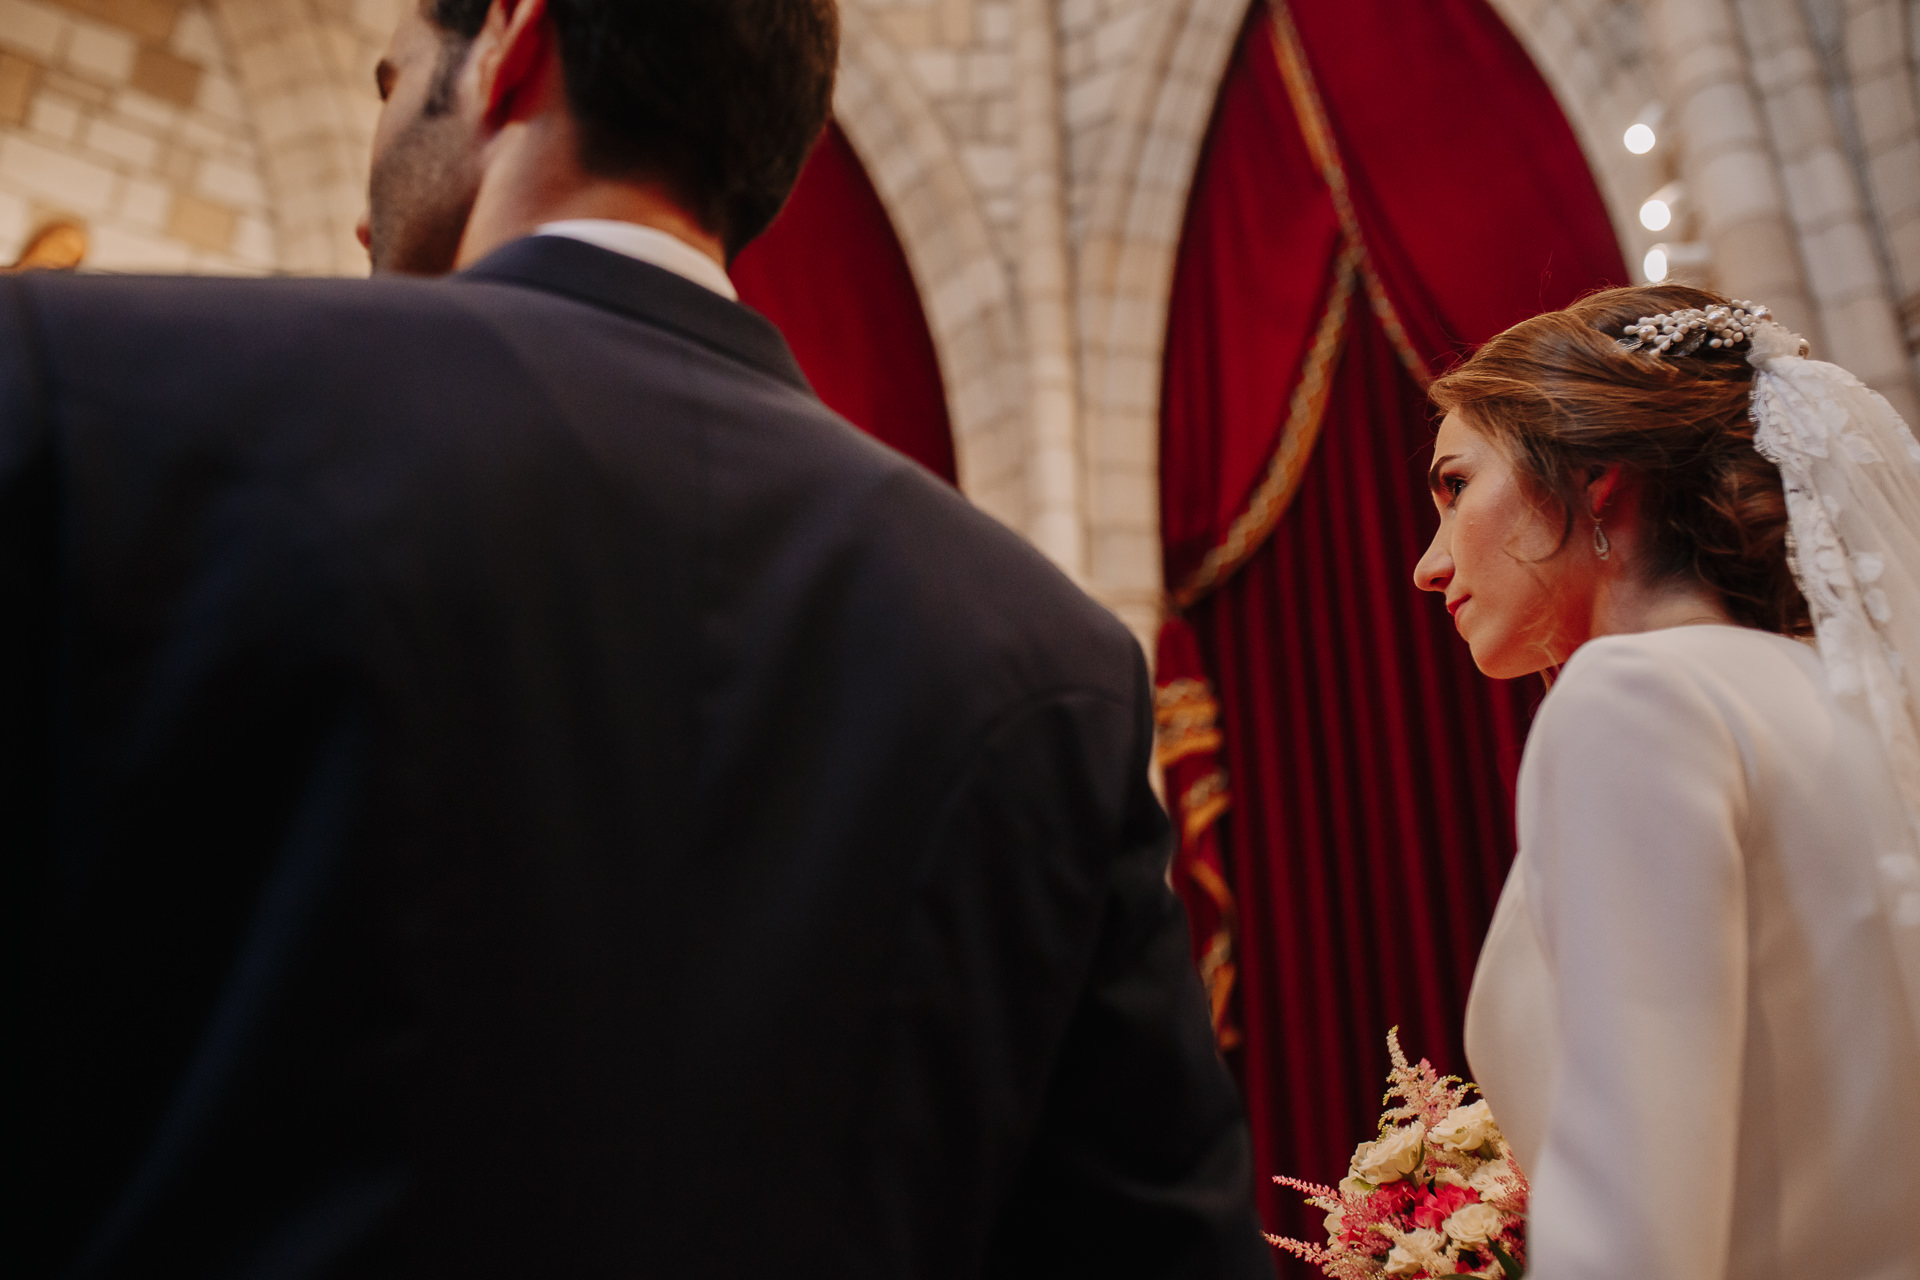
<point>1633,798</point>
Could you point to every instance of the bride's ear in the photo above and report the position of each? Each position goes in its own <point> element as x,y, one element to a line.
<point>1603,484</point>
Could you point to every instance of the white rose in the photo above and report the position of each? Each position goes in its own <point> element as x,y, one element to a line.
<point>1466,1128</point>
<point>1334,1222</point>
<point>1417,1251</point>
<point>1491,1179</point>
<point>1473,1224</point>
<point>1392,1158</point>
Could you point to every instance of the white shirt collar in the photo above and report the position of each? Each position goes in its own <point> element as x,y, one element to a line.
<point>648,244</point>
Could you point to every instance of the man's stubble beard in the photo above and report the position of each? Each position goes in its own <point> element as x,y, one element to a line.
<point>420,193</point>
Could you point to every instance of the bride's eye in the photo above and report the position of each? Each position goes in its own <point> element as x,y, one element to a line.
<point>1453,485</point>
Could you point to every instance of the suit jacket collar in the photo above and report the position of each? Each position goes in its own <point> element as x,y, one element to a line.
<point>645,292</point>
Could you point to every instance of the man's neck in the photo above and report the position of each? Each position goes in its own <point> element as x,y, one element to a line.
<point>533,178</point>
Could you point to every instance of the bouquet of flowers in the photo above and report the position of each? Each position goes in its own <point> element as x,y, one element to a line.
<point>1438,1194</point>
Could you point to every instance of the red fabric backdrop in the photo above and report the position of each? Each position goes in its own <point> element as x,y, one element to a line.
<point>1370,766</point>
<point>831,274</point>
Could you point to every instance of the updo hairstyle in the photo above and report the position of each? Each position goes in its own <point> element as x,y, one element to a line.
<point>1563,399</point>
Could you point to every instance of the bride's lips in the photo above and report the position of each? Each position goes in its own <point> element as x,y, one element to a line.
<point>1455,606</point>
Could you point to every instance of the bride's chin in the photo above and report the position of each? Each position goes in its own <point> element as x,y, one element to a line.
<point>1501,662</point>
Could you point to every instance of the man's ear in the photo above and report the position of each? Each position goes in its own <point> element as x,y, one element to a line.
<point>508,54</point>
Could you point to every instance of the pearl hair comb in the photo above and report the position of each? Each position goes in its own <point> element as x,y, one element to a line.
<point>1684,332</point>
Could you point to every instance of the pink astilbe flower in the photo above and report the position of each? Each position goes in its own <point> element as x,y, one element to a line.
<point>1424,1093</point>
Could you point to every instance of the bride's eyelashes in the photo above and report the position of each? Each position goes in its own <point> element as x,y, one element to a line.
<point>1452,485</point>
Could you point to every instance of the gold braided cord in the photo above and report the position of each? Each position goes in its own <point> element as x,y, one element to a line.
<point>1306,410</point>
<point>1304,93</point>
<point>1217,970</point>
<point>1186,721</point>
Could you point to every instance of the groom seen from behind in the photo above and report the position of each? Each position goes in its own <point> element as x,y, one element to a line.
<point>502,782</point>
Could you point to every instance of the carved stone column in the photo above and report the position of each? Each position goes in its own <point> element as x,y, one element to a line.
<point>1727,159</point>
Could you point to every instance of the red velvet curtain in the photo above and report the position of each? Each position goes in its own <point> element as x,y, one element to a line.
<point>1386,182</point>
<point>831,274</point>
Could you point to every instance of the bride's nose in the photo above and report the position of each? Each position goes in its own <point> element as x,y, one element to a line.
<point>1435,569</point>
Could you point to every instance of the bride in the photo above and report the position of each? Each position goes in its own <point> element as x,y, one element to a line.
<point>1697,1012</point>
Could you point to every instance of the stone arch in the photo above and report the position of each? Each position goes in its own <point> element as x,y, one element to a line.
<point>305,72</point>
<point>963,284</point>
<point>1135,208</point>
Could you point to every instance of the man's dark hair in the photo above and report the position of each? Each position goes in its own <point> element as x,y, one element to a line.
<point>720,99</point>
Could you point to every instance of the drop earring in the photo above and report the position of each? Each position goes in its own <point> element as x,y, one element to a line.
<point>1601,546</point>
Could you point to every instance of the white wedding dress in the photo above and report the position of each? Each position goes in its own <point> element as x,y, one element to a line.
<point>1688,1014</point>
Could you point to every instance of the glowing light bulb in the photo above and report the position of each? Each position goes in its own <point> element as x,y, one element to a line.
<point>1639,139</point>
<point>1655,214</point>
<point>1654,265</point>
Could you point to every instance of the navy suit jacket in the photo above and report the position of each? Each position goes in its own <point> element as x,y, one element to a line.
<point>497,780</point>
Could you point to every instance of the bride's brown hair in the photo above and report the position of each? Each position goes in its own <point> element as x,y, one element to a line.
<point>1564,399</point>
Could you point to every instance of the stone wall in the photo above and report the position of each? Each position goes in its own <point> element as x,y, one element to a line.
<point>1036,157</point>
<point>125,114</point>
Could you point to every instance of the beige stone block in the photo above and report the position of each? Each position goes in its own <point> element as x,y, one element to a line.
<point>166,77</point>
<point>143,203</point>
<point>54,117</point>
<point>1841,263</point>
<point>195,134</point>
<point>17,79</point>
<point>61,179</point>
<point>1864,336</point>
<point>177,166</point>
<point>1874,37</point>
<point>116,248</point>
<point>230,184</point>
<point>101,53</point>
<point>220,97</point>
<point>146,112</point>
<point>32,29</point>
<point>1820,188</point>
<point>1126,440</point>
<point>85,92</point>
<point>1076,57</point>
<point>936,70</point>
<point>1736,186</point>
<point>116,142</point>
<point>148,19</point>
<point>988,73</point>
<point>993,22</point>
<point>253,242</point>
<point>202,223</point>
<point>1885,108</point>
<point>1128,557</point>
<point>991,167</point>
<point>342,51</point>
<point>910,28</point>
<point>16,219</point>
<point>1117,41</point>
<point>1122,499</point>
<point>195,39</point>
<point>955,21</point>
<point>377,17</point>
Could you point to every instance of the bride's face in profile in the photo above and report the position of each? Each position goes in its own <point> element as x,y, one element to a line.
<point>1521,600</point>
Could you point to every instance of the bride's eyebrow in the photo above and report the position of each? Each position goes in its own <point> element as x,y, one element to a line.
<point>1433,473</point>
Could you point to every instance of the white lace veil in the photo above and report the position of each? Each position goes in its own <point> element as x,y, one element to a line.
<point>1852,474</point>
